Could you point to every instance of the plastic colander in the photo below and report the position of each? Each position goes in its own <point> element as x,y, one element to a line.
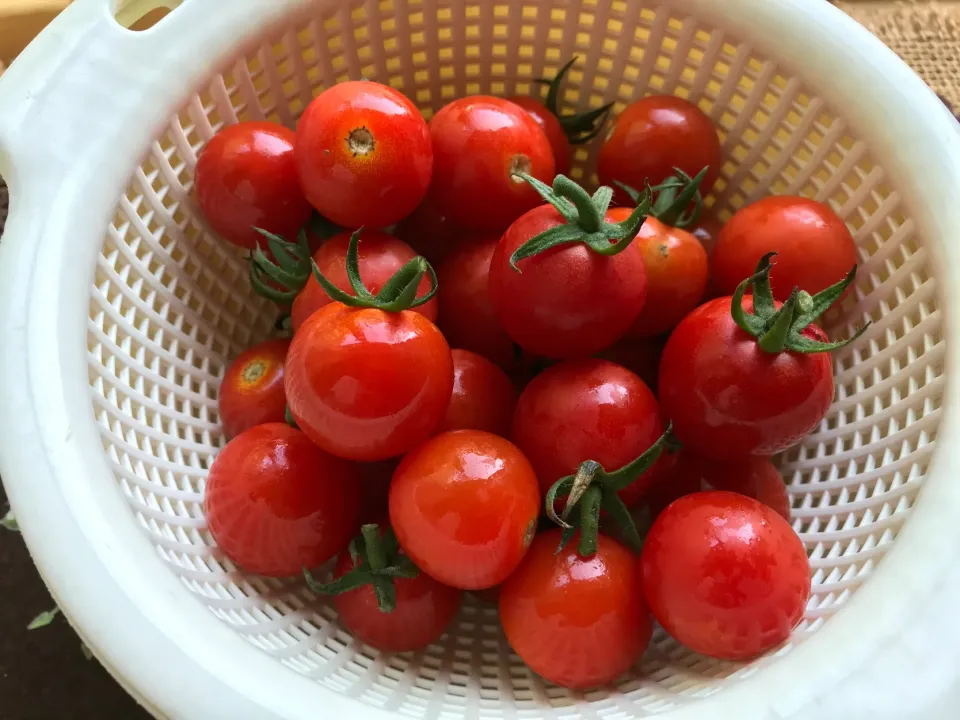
<point>119,310</point>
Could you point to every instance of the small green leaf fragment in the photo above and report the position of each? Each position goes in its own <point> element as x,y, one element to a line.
<point>43,619</point>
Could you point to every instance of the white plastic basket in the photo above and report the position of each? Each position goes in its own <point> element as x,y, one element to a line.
<point>119,310</point>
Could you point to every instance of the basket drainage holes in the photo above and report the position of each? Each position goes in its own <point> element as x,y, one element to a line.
<point>140,15</point>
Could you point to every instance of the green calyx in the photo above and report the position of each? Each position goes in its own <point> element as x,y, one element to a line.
<point>280,278</point>
<point>377,561</point>
<point>593,489</point>
<point>677,200</point>
<point>780,330</point>
<point>398,293</point>
<point>585,219</point>
<point>580,128</point>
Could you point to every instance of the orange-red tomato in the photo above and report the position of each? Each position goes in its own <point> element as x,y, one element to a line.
<point>379,256</point>
<point>251,392</point>
<point>483,396</point>
<point>579,622</point>
<point>550,124</point>
<point>464,506</point>
<point>363,154</point>
<point>246,177</point>
<point>276,503</point>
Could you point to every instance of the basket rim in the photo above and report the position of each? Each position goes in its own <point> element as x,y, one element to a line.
<point>147,629</point>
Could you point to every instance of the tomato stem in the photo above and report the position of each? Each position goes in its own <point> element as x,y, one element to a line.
<point>288,416</point>
<point>579,128</point>
<point>280,279</point>
<point>678,201</point>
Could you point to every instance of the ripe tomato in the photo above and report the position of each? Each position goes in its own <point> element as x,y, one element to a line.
<point>363,154</point>
<point>725,575</point>
<point>251,392</point>
<point>550,124</point>
<point>579,622</point>
<point>429,233</point>
<point>464,506</point>
<point>654,135</point>
<point>814,247</point>
<point>483,396</point>
<point>467,317</point>
<point>380,257</point>
<point>478,143</point>
<point>276,503</point>
<point>246,177</point>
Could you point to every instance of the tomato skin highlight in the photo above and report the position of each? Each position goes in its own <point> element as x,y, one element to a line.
<point>246,177</point>
<point>550,124</point>
<point>364,156</point>
<point>478,142</point>
<point>365,384</point>
<point>814,246</point>
<point>725,575</point>
<point>568,301</point>
<point>251,392</point>
<point>727,398</point>
<point>654,135</point>
<point>276,503</point>
<point>483,396</point>
<point>379,256</point>
<point>579,623</point>
<point>424,609</point>
<point>464,507</point>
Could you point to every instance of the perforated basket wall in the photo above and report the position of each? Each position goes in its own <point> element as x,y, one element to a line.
<point>170,306</point>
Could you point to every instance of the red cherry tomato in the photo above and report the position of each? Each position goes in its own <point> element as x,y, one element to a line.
<point>363,154</point>
<point>725,575</point>
<point>478,143</point>
<point>464,506</point>
<point>727,398</point>
<point>588,410</point>
<point>483,396</point>
<point>365,384</point>
<point>380,256</point>
<point>246,177</point>
<point>252,389</point>
<point>429,233</point>
<point>467,317</point>
<point>814,247</point>
<point>550,124</point>
<point>276,503</point>
<point>579,622</point>
<point>653,136</point>
<point>568,301</point>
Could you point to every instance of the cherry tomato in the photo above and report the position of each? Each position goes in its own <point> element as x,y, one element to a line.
<point>813,245</point>
<point>464,506</point>
<point>366,384</point>
<point>653,136</point>
<point>641,356</point>
<point>276,503</point>
<point>429,233</point>
<point>246,177</point>
<point>363,154</point>
<point>478,143</point>
<point>550,124</point>
<point>588,409</point>
<point>483,396</point>
<point>725,575</point>
<point>568,301</point>
<point>251,392</point>
<point>380,256</point>
<point>579,622</point>
<point>467,317</point>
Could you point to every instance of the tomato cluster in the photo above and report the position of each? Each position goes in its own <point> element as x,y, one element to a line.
<point>578,364</point>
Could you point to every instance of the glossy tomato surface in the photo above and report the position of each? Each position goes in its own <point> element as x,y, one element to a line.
<point>568,301</point>
<point>550,124</point>
<point>478,143</point>
<point>483,396</point>
<point>464,506</point>
<point>654,135</point>
<point>246,177</point>
<point>365,384</point>
<point>725,575</point>
<point>251,392</point>
<point>579,622</point>
<point>467,317</point>
<point>814,247</point>
<point>588,410</point>
<point>276,503</point>
<point>379,257</point>
<point>727,398</point>
<point>363,154</point>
